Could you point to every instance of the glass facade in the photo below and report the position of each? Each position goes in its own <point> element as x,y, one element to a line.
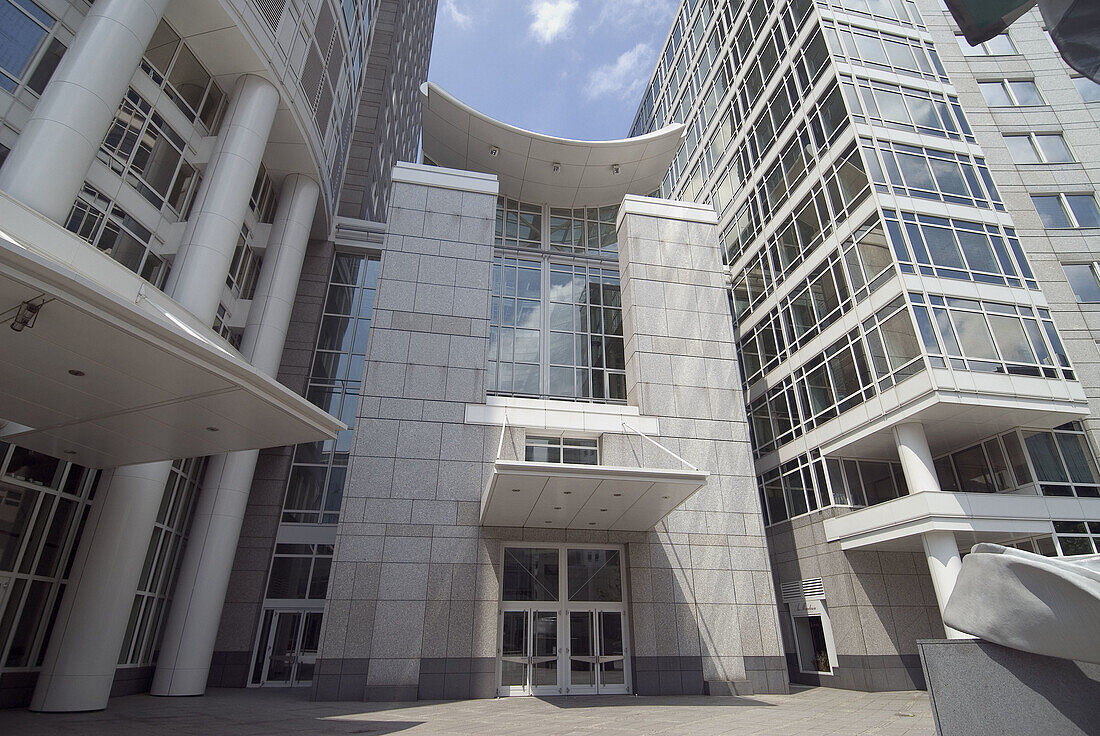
<point>830,141</point>
<point>44,503</point>
<point>556,327</point>
<point>316,485</point>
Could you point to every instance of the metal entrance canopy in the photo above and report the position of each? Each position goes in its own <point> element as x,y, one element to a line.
<point>113,372</point>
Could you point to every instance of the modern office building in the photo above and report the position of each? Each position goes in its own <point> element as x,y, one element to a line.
<point>180,182</point>
<point>899,215</point>
<point>529,431</point>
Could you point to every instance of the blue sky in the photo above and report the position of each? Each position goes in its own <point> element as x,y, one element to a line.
<point>571,68</point>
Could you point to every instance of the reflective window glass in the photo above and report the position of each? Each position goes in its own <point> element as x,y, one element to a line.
<point>594,575</point>
<point>530,574</point>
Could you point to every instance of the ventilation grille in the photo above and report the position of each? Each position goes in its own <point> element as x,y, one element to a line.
<point>800,589</point>
<point>271,10</point>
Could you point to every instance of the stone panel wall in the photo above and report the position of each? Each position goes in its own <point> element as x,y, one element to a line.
<point>879,604</point>
<point>703,573</point>
<point>412,580</point>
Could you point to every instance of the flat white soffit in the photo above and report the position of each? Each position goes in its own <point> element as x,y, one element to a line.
<point>562,496</point>
<point>154,377</point>
<point>459,137</point>
<point>975,513</point>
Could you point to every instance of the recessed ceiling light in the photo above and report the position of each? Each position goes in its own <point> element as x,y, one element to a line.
<point>515,490</point>
<point>75,372</point>
<point>211,429</point>
<point>566,492</point>
<point>616,495</point>
<point>557,508</point>
<point>603,509</point>
<point>547,522</point>
<point>494,151</point>
<point>69,452</point>
<point>665,497</point>
<point>591,523</point>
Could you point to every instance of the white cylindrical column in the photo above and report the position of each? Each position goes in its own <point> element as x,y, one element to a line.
<point>192,628</point>
<point>50,159</point>
<point>940,548</point>
<point>206,251</point>
<point>916,458</point>
<point>80,662</point>
<point>277,285</point>
<point>944,562</point>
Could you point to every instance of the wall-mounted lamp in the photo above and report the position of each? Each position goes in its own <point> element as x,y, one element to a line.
<point>25,316</point>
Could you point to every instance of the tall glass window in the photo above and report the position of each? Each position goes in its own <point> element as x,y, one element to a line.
<point>556,330</point>
<point>162,558</point>
<point>316,486</point>
<point>44,502</point>
<point>27,52</point>
<point>170,63</point>
<point>556,327</point>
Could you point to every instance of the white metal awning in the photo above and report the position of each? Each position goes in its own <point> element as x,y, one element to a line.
<point>113,372</point>
<point>542,168</point>
<point>563,496</point>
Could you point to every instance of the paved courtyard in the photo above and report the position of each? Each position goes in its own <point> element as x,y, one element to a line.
<point>818,711</point>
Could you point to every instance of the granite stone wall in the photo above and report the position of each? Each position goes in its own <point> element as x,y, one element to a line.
<point>413,603</point>
<point>703,572</point>
<point>411,579</point>
<point>879,604</point>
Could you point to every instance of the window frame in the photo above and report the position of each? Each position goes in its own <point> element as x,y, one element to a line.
<point>1010,92</point>
<point>1069,212</point>
<point>1040,153</point>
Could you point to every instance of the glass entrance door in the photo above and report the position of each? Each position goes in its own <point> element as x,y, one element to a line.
<point>287,651</point>
<point>596,659</point>
<point>563,621</point>
<point>529,653</point>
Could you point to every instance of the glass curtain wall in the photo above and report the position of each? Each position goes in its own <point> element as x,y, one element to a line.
<point>316,485</point>
<point>44,503</point>
<point>556,328</point>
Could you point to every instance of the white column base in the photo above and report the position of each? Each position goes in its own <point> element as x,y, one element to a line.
<point>944,563</point>
<point>80,662</point>
<point>191,630</point>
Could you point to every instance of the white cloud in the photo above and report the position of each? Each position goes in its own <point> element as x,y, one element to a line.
<point>460,19</point>
<point>631,13</point>
<point>625,77</point>
<point>552,18</point>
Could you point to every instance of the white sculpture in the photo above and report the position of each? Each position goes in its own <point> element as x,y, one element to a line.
<point>1043,605</point>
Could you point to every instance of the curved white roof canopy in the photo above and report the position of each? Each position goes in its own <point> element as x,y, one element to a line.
<point>457,136</point>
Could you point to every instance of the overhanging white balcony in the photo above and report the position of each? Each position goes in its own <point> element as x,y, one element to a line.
<point>113,372</point>
<point>973,517</point>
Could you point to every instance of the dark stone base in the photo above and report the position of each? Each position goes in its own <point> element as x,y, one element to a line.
<point>768,675</point>
<point>457,678</point>
<point>443,678</point>
<point>16,689</point>
<point>132,680</point>
<point>979,688</point>
<point>668,675</point>
<point>463,678</point>
<point>870,673</point>
<point>229,669</point>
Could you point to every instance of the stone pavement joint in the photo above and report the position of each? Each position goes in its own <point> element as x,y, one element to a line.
<point>818,711</point>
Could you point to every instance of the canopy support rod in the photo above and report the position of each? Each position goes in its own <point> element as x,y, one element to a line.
<point>657,444</point>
